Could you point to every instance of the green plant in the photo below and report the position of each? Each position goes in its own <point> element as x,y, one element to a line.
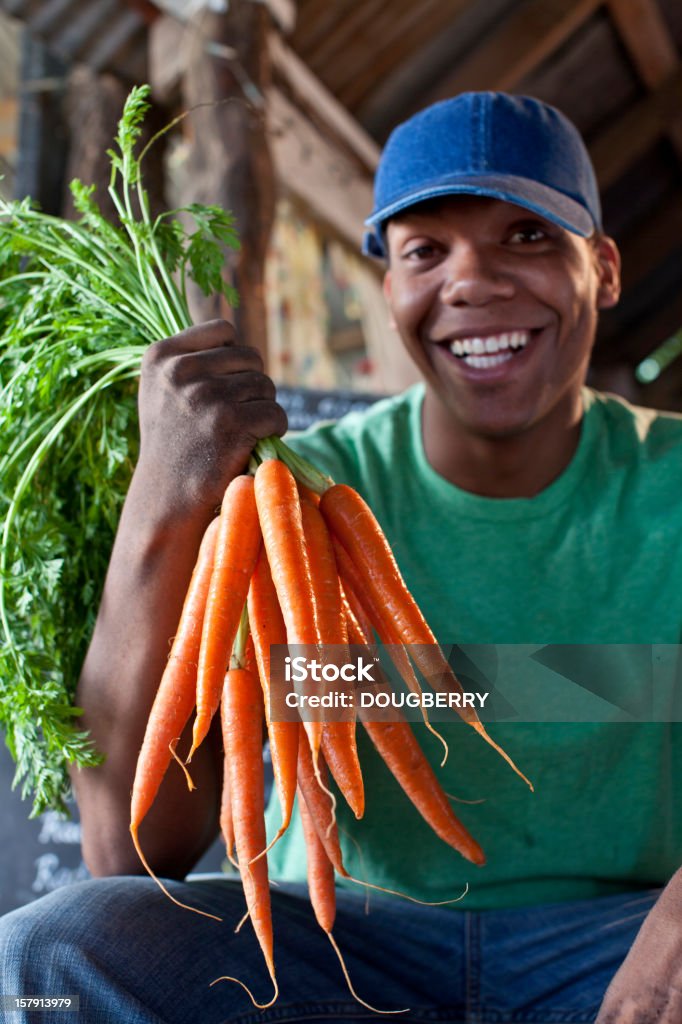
<point>79,303</point>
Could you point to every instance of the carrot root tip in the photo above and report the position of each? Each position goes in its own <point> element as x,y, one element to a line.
<point>178,903</point>
<point>270,845</point>
<point>346,975</point>
<point>259,1006</point>
<point>240,924</point>
<point>480,729</point>
<point>406,896</point>
<point>171,746</point>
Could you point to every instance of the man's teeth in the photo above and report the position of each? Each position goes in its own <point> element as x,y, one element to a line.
<point>483,353</point>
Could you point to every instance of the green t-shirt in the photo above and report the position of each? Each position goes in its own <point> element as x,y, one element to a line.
<point>596,558</point>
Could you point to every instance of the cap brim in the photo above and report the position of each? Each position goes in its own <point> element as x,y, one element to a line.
<point>549,203</point>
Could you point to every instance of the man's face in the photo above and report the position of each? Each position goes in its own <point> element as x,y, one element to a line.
<point>498,309</point>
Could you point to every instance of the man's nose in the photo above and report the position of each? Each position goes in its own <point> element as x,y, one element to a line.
<point>473,277</point>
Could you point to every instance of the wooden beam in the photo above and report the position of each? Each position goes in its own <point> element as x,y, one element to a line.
<point>528,36</point>
<point>315,170</point>
<point>321,155</point>
<point>230,162</point>
<point>307,88</point>
<point>357,20</point>
<point>396,43</point>
<point>637,130</point>
<point>167,63</point>
<point>646,38</point>
<point>651,48</point>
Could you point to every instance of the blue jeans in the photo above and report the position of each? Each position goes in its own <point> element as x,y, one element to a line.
<point>133,957</point>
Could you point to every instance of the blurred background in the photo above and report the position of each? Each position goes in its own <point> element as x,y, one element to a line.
<point>291,101</point>
<point>297,99</point>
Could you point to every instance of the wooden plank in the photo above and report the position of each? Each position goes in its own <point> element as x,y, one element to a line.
<point>316,20</point>
<point>651,47</point>
<point>310,90</point>
<point>524,39</point>
<point>401,92</point>
<point>338,47</point>
<point>330,183</point>
<point>645,35</point>
<point>230,161</point>
<point>401,38</point>
<point>636,130</point>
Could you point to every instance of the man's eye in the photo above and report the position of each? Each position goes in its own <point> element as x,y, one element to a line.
<point>423,251</point>
<point>529,233</point>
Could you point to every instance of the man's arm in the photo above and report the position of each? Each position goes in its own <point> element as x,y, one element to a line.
<point>204,401</point>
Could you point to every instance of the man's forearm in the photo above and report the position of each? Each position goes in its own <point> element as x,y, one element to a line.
<point>148,575</point>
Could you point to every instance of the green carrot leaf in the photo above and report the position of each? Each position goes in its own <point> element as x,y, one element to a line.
<point>79,303</point>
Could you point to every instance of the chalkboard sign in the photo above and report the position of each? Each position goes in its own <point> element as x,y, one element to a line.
<point>305,406</point>
<point>39,855</point>
<point>42,854</point>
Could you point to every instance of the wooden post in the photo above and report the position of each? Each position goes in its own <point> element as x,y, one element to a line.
<point>227,73</point>
<point>94,106</point>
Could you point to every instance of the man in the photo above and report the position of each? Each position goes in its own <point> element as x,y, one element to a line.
<point>523,509</point>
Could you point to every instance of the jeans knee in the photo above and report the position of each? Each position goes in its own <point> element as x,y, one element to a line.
<point>69,922</point>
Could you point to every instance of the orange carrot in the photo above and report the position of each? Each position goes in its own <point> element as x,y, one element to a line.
<point>175,696</point>
<point>174,701</point>
<point>320,806</point>
<point>242,713</point>
<point>305,494</point>
<point>338,737</point>
<point>320,872</point>
<point>279,510</point>
<point>267,629</point>
<point>352,607</point>
<point>226,822</point>
<point>368,612</point>
<point>398,746</point>
<point>237,548</point>
<point>352,521</point>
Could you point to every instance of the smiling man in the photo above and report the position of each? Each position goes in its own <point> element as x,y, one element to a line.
<point>524,509</point>
<point>488,213</point>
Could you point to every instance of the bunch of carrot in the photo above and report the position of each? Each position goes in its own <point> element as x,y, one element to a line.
<point>293,559</point>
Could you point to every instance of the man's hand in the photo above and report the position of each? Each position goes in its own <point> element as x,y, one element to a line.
<point>648,987</point>
<point>204,402</point>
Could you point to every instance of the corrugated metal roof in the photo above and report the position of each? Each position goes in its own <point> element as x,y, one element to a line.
<point>106,34</point>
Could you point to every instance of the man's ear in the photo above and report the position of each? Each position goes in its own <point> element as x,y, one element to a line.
<point>388,295</point>
<point>608,267</point>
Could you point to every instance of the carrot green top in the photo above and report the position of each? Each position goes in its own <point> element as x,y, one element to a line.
<point>567,608</point>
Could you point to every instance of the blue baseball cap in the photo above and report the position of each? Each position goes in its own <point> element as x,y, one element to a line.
<point>514,148</point>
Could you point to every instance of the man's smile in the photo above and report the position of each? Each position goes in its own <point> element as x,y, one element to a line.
<point>485,351</point>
